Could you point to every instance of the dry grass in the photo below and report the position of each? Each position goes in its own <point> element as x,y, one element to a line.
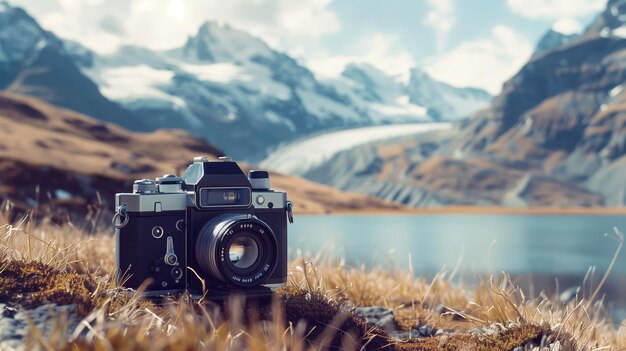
<point>47,263</point>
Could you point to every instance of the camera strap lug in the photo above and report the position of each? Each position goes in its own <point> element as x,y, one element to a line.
<point>289,209</point>
<point>120,218</point>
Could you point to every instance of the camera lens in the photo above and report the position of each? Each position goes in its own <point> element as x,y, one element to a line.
<point>238,249</point>
<point>243,252</point>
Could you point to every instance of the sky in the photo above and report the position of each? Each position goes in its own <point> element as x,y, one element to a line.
<point>477,43</point>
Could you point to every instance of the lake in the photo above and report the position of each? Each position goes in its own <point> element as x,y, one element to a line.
<point>531,248</point>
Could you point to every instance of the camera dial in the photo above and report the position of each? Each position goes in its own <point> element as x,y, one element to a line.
<point>144,186</point>
<point>169,183</point>
<point>259,180</point>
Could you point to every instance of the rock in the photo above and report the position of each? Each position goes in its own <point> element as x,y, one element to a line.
<point>425,330</point>
<point>9,312</point>
<point>400,335</point>
<point>383,318</point>
<point>14,325</point>
<point>379,316</point>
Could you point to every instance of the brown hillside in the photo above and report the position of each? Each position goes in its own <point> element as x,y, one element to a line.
<point>74,159</point>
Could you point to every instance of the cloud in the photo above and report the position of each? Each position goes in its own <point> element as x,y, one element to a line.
<point>111,25</point>
<point>380,50</point>
<point>311,18</point>
<point>164,24</point>
<point>567,26</point>
<point>177,10</point>
<point>555,9</point>
<point>441,18</point>
<point>484,63</point>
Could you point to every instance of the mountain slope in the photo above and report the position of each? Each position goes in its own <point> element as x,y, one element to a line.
<point>444,101</point>
<point>69,162</point>
<point>35,62</point>
<point>391,100</point>
<point>555,136</point>
<point>554,38</point>
<point>558,124</point>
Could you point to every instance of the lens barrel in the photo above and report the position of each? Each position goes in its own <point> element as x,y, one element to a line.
<point>238,249</point>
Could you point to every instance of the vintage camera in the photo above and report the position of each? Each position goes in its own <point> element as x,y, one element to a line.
<point>213,228</point>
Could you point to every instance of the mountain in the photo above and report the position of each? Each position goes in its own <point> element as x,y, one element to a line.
<point>555,136</point>
<point>233,89</point>
<point>70,163</point>
<point>391,100</point>
<point>223,84</point>
<point>372,160</point>
<point>34,62</point>
<point>553,39</point>
<point>562,115</point>
<point>610,22</point>
<point>445,102</point>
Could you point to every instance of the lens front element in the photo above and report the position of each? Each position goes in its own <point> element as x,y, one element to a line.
<point>243,252</point>
<point>238,249</point>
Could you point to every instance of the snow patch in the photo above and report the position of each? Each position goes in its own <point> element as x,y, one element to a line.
<point>131,82</point>
<point>605,32</point>
<point>620,31</point>
<point>567,26</point>
<point>264,85</point>
<point>275,118</point>
<point>218,72</point>
<point>616,91</point>
<point>328,68</point>
<point>230,45</point>
<point>323,108</point>
<point>40,44</point>
<point>401,108</point>
<point>462,107</point>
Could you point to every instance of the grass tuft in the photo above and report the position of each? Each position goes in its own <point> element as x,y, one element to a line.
<point>44,263</point>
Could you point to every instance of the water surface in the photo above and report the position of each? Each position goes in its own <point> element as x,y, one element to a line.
<point>537,248</point>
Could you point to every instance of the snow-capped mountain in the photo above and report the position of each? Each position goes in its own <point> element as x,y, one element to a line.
<point>390,99</point>
<point>379,95</point>
<point>443,101</point>
<point>34,61</point>
<point>554,137</point>
<point>14,53</point>
<point>222,84</point>
<point>246,97</point>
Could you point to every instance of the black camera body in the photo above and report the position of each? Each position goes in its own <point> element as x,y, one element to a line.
<point>212,229</point>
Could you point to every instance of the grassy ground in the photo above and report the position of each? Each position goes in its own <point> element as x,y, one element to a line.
<point>47,263</point>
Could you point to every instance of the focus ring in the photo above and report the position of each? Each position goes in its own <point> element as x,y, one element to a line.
<point>212,249</point>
